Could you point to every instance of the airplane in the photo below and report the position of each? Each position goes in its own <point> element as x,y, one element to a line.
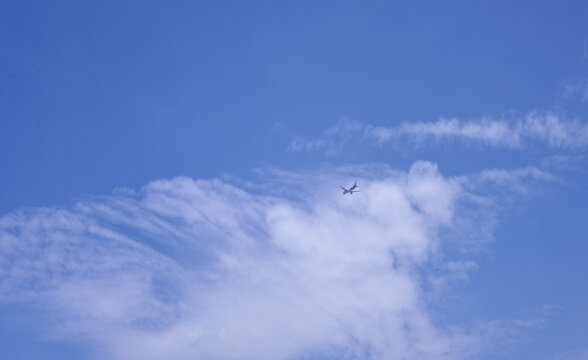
<point>351,190</point>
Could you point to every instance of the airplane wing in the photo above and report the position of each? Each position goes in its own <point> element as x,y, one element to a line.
<point>343,188</point>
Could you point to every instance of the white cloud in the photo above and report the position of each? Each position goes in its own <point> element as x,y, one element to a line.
<point>578,89</point>
<point>511,180</point>
<point>497,133</point>
<point>546,128</point>
<point>202,269</point>
<point>333,140</point>
<point>581,354</point>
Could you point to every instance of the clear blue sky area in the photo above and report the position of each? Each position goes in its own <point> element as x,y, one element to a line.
<point>98,96</point>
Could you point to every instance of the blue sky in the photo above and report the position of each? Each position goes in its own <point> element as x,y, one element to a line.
<point>170,180</point>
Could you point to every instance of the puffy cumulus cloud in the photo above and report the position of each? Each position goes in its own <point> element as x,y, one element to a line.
<point>186,269</point>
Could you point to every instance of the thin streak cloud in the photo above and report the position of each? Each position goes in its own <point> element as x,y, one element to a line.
<point>546,128</point>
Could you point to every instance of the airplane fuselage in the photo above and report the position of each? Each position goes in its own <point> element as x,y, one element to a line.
<point>351,190</point>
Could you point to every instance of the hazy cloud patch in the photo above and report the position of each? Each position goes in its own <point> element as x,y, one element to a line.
<point>190,268</point>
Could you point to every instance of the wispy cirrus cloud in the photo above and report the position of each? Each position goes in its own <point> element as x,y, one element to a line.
<point>546,128</point>
<point>204,269</point>
<point>581,354</point>
<point>577,89</point>
<point>514,180</point>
